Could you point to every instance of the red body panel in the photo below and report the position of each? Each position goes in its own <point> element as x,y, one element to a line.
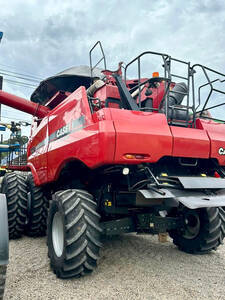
<point>72,132</point>
<point>190,142</point>
<point>37,151</point>
<point>19,168</point>
<point>216,133</point>
<point>72,135</point>
<point>141,133</point>
<point>107,91</point>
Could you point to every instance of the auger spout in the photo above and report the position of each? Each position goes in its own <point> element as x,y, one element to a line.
<point>24,105</point>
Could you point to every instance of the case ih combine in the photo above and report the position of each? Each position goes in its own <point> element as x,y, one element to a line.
<point>111,155</point>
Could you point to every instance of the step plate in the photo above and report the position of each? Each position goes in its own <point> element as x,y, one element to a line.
<point>201,182</point>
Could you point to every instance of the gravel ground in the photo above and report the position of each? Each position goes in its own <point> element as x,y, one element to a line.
<point>131,267</point>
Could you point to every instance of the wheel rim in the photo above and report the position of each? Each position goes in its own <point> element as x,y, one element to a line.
<point>58,234</point>
<point>192,225</point>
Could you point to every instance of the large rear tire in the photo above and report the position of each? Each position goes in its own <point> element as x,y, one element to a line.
<point>15,189</point>
<point>37,210</point>
<point>203,230</point>
<point>2,280</point>
<point>74,233</point>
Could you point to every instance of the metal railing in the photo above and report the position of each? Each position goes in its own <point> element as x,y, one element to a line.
<point>191,106</point>
<point>17,157</point>
<point>210,83</point>
<point>99,61</point>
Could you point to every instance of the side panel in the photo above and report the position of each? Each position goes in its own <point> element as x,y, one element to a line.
<point>107,91</point>
<point>190,142</point>
<point>74,135</point>
<point>36,152</point>
<point>142,133</point>
<point>216,133</point>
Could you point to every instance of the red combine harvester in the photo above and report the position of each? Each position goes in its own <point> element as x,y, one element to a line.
<point>109,155</point>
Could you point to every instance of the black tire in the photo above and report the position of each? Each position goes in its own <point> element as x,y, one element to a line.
<point>37,209</point>
<point>15,188</point>
<point>80,244</point>
<point>222,218</point>
<point>204,230</point>
<point>2,280</point>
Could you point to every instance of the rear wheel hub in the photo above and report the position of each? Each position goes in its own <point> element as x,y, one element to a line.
<point>191,225</point>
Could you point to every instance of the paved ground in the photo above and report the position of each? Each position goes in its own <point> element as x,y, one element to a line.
<point>131,267</point>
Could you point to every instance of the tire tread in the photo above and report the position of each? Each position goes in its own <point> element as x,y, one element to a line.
<point>15,188</point>
<point>210,236</point>
<point>82,233</point>
<point>37,222</point>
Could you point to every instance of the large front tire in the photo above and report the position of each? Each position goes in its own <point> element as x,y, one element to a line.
<point>203,230</point>
<point>15,189</point>
<point>73,234</point>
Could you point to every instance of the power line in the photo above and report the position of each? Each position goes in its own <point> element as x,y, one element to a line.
<point>27,79</point>
<point>20,73</point>
<point>20,83</point>
<point>20,77</point>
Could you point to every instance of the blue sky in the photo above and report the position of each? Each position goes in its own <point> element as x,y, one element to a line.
<point>43,37</point>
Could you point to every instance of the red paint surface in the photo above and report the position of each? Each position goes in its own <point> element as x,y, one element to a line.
<point>190,142</point>
<point>216,133</point>
<point>107,135</point>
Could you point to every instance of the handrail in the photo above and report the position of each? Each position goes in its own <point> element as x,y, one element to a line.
<point>101,59</point>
